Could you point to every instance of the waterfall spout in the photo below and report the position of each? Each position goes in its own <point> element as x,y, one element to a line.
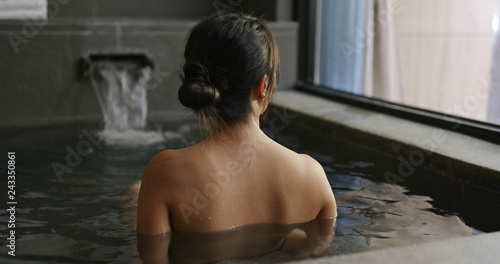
<point>120,82</point>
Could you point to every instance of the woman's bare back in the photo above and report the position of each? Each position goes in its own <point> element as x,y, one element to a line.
<point>220,184</point>
<point>237,176</point>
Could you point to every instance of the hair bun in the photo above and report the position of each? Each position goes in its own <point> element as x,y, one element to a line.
<point>197,91</point>
<point>198,95</point>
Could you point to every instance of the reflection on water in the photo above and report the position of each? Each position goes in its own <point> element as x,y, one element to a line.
<point>295,241</point>
<point>384,215</point>
<point>88,218</point>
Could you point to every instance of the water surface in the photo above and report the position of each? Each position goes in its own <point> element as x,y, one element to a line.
<point>81,216</point>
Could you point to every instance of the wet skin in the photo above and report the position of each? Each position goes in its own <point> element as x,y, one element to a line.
<point>237,178</point>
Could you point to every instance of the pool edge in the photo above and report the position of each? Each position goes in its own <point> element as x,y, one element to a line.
<point>471,160</point>
<point>400,138</point>
<point>472,249</point>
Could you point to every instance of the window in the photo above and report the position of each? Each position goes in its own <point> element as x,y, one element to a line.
<point>440,57</point>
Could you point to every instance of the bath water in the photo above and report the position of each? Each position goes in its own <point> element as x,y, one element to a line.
<point>73,203</point>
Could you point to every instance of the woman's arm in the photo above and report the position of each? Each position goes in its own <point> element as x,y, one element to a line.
<point>312,239</point>
<point>315,238</point>
<point>153,249</point>
<point>321,189</point>
<point>152,208</point>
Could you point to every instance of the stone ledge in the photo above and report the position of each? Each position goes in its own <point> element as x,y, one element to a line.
<point>474,249</point>
<point>449,153</point>
<point>453,154</point>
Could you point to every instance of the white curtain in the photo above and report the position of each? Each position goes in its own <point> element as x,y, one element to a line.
<point>494,104</point>
<point>359,48</point>
<point>382,69</point>
<point>446,54</point>
<point>342,44</point>
<point>435,55</point>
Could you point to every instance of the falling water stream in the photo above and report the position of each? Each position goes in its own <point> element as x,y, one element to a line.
<point>121,91</point>
<point>121,88</point>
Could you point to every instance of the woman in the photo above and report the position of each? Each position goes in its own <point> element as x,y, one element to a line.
<point>237,176</point>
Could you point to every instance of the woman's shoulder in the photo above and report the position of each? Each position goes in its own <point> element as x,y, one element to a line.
<point>312,166</point>
<point>320,185</point>
<point>304,166</point>
<point>300,161</point>
<point>302,173</point>
<point>162,159</point>
<point>167,164</point>
<point>171,157</point>
<point>163,165</point>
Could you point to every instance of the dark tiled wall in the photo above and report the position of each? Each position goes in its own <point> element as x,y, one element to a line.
<point>275,10</point>
<point>42,83</point>
<point>190,9</point>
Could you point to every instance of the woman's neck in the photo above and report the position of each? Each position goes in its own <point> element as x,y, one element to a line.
<point>237,133</point>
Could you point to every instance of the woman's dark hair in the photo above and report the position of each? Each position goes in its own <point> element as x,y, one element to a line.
<point>226,56</point>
